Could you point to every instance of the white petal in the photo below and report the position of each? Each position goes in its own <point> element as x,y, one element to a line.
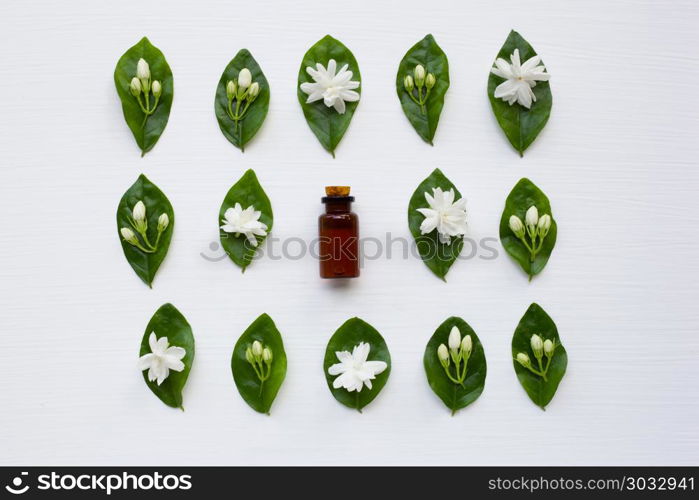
<point>176,352</point>
<point>505,89</point>
<point>145,361</point>
<point>339,106</point>
<point>332,67</point>
<point>530,63</point>
<point>349,95</point>
<point>152,342</point>
<point>173,363</point>
<point>376,367</point>
<point>361,352</point>
<point>337,369</point>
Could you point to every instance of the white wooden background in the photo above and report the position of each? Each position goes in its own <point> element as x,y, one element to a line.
<point>618,160</point>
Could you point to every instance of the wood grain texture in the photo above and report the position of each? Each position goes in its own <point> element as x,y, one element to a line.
<point>618,159</point>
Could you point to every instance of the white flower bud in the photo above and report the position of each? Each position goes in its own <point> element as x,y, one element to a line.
<point>419,75</point>
<point>466,345</point>
<point>230,90</point>
<point>163,222</point>
<point>516,226</point>
<point>248,356</point>
<point>531,218</point>
<point>408,83</point>
<point>430,80</point>
<point>157,88</point>
<point>544,225</point>
<point>139,211</point>
<point>257,349</point>
<point>244,78</point>
<point>267,355</point>
<point>537,346</point>
<point>549,347</point>
<point>143,70</point>
<point>443,354</point>
<point>128,235</point>
<point>523,359</point>
<point>253,91</point>
<point>135,87</point>
<point>454,339</point>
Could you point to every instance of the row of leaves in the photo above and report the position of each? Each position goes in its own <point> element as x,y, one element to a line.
<point>521,125</point>
<point>169,322</point>
<point>437,256</point>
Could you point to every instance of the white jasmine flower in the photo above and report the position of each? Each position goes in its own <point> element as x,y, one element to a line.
<point>139,211</point>
<point>253,91</point>
<point>244,78</point>
<point>443,214</point>
<point>163,222</point>
<point>519,79</point>
<point>128,235</point>
<point>523,359</point>
<point>230,89</point>
<point>419,75</point>
<point>443,354</point>
<point>157,88</point>
<point>516,226</point>
<point>544,224</point>
<point>531,218</point>
<point>454,339</point>
<point>257,349</point>
<point>333,87</point>
<point>135,87</point>
<point>467,345</point>
<point>246,222</point>
<point>354,370</point>
<point>162,358</point>
<point>430,80</point>
<point>537,345</point>
<point>548,347</point>
<point>142,69</point>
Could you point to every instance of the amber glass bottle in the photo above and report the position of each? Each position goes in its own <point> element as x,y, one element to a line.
<point>339,235</point>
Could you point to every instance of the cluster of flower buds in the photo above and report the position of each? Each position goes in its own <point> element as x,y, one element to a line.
<point>534,227</point>
<point>458,352</point>
<point>260,358</point>
<point>541,348</point>
<point>243,91</point>
<point>419,81</point>
<point>142,87</point>
<point>139,222</point>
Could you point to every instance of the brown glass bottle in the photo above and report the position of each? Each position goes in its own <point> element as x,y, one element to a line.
<point>338,229</point>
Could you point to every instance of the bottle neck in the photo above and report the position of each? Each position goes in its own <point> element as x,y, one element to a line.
<point>337,206</point>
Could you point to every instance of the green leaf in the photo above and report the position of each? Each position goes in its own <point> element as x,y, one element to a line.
<point>438,257</point>
<point>247,191</point>
<point>256,113</point>
<point>146,133</point>
<point>535,320</point>
<point>521,125</point>
<point>434,60</point>
<point>350,334</point>
<point>259,396</point>
<point>143,263</point>
<point>327,124</point>
<point>169,322</point>
<point>454,395</point>
<point>524,195</point>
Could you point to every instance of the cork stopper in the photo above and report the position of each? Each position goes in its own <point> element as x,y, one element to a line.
<point>337,190</point>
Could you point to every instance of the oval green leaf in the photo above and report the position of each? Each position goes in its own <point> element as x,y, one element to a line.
<point>247,191</point>
<point>430,55</point>
<point>455,396</point>
<point>146,130</point>
<point>438,257</point>
<point>521,125</point>
<point>257,111</point>
<point>145,263</point>
<point>259,395</point>
<point>327,124</point>
<point>350,334</point>
<point>536,321</point>
<point>169,322</point>
<point>524,195</point>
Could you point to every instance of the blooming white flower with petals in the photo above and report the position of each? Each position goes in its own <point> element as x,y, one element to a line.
<point>354,370</point>
<point>444,214</point>
<point>162,358</point>
<point>334,87</point>
<point>519,79</point>
<point>246,222</point>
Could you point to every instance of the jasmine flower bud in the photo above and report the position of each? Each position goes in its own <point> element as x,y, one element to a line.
<point>139,211</point>
<point>249,356</point>
<point>244,78</point>
<point>523,359</point>
<point>408,83</point>
<point>430,80</point>
<point>128,235</point>
<point>549,348</point>
<point>516,226</point>
<point>537,346</point>
<point>419,73</point>
<point>163,222</point>
<point>230,90</point>
<point>267,355</point>
<point>253,91</point>
<point>531,218</point>
<point>157,89</point>
<point>454,339</point>
<point>466,345</point>
<point>443,355</point>
<point>135,87</point>
<point>544,225</point>
<point>257,349</point>
<point>143,74</point>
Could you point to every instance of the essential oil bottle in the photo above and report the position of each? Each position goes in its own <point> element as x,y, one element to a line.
<point>338,229</point>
